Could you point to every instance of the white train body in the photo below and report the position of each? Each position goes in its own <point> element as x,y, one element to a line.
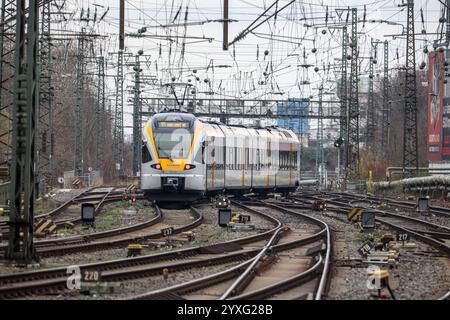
<point>185,158</point>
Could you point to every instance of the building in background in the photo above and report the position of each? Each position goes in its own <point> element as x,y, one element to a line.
<point>288,117</point>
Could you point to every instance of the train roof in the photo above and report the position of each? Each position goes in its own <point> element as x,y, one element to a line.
<point>267,131</point>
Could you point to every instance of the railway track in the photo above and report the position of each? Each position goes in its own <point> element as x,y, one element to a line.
<point>114,238</point>
<point>247,280</point>
<point>437,236</point>
<point>55,280</point>
<point>428,232</point>
<point>98,196</point>
<point>437,210</point>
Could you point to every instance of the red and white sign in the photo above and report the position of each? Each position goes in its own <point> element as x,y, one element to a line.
<point>435,106</point>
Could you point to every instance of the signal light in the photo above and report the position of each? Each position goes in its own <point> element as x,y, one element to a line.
<point>189,166</point>
<point>339,142</point>
<point>156,166</point>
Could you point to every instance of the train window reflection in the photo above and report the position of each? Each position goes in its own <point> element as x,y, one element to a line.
<point>173,145</point>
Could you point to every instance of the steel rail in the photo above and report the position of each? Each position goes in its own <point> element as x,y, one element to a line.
<point>326,261</point>
<point>176,290</point>
<point>283,285</point>
<point>135,261</point>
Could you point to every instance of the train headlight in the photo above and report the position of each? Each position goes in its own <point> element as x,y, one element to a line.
<point>189,166</point>
<point>156,166</point>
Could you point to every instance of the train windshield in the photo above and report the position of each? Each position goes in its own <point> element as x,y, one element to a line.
<point>173,136</point>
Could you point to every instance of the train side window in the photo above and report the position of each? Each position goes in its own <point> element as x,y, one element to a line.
<point>146,156</point>
<point>199,156</point>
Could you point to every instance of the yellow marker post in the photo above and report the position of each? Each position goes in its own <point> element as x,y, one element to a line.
<point>370,181</point>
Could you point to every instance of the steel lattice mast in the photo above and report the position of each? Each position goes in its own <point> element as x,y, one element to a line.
<point>118,117</point>
<point>410,121</point>
<point>45,141</point>
<point>320,159</point>
<point>370,106</point>
<point>118,114</point>
<point>343,93</point>
<point>100,112</point>
<point>352,146</point>
<point>137,117</point>
<point>79,108</point>
<point>26,101</point>
<point>386,103</point>
<point>7,72</point>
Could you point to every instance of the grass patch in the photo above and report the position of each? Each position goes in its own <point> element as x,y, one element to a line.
<point>113,216</point>
<point>217,235</point>
<point>44,206</point>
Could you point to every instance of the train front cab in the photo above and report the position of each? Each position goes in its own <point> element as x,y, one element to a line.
<point>172,164</point>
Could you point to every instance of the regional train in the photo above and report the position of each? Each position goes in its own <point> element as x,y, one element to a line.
<point>185,158</point>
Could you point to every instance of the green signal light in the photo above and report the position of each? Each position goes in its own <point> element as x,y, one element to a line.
<point>339,142</point>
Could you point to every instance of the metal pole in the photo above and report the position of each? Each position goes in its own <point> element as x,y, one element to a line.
<point>343,97</point>
<point>410,120</point>
<point>7,73</point>
<point>118,115</point>
<point>100,114</point>
<point>352,146</point>
<point>137,118</point>
<point>225,24</point>
<point>45,156</point>
<point>370,106</point>
<point>79,109</point>
<point>320,154</point>
<point>118,118</point>
<point>386,104</point>
<point>21,248</point>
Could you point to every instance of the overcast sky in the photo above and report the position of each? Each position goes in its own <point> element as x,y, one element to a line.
<point>239,72</point>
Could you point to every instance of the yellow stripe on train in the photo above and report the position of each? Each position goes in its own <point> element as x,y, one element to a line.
<point>174,164</point>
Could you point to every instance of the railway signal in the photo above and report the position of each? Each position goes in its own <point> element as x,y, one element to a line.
<point>88,213</point>
<point>339,142</point>
<point>225,216</point>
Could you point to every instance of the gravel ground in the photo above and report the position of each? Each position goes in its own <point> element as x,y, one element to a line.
<point>210,232</point>
<point>112,216</point>
<point>206,234</point>
<point>291,221</point>
<point>64,195</point>
<point>143,285</point>
<point>433,218</point>
<point>414,277</point>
